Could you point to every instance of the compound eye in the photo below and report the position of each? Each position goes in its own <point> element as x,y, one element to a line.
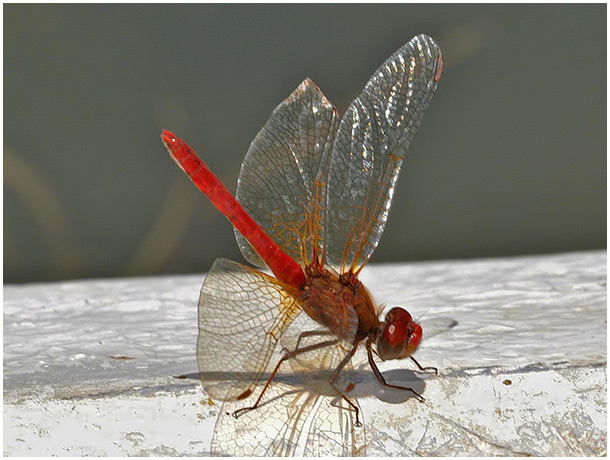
<point>393,340</point>
<point>396,333</point>
<point>414,339</point>
<point>400,336</point>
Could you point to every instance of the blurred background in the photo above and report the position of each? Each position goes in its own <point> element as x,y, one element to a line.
<point>510,158</point>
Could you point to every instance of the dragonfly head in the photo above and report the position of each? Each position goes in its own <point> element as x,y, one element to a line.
<point>399,335</point>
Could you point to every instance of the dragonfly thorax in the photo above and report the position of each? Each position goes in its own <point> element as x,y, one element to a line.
<point>337,302</point>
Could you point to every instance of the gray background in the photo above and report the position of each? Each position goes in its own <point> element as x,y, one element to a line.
<point>510,159</point>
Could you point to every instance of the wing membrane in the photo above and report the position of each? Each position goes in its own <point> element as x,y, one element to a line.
<point>317,365</point>
<point>242,315</point>
<point>276,427</point>
<point>333,431</point>
<point>373,137</point>
<point>299,393</point>
<point>278,179</point>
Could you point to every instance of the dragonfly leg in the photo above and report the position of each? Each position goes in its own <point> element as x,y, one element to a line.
<point>380,377</point>
<point>302,335</point>
<point>421,369</point>
<point>424,369</point>
<point>243,410</point>
<point>286,355</point>
<point>334,376</point>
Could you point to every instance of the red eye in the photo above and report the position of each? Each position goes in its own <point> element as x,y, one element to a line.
<point>398,314</point>
<point>400,336</point>
<point>395,333</point>
<point>414,340</point>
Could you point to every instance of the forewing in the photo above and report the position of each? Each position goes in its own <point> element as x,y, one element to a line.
<point>278,183</point>
<point>373,137</point>
<point>242,315</point>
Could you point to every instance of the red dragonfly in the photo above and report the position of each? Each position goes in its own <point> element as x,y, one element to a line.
<point>312,201</point>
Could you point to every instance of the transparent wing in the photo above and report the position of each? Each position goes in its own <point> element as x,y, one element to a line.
<point>300,413</point>
<point>317,365</point>
<point>333,431</point>
<point>242,315</point>
<point>436,326</point>
<point>373,137</point>
<point>291,420</point>
<point>278,180</point>
<point>271,430</point>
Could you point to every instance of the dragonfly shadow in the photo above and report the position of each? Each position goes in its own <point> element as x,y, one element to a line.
<point>191,376</point>
<point>366,384</point>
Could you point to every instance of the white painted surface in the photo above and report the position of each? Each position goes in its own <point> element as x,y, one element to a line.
<point>538,322</point>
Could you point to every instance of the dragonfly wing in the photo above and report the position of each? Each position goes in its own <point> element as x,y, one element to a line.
<point>279,426</point>
<point>272,429</point>
<point>242,315</point>
<point>436,326</point>
<point>333,431</point>
<point>373,136</point>
<point>317,363</point>
<point>277,183</point>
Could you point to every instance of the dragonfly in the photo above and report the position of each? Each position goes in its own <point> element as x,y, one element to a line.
<point>307,420</point>
<point>312,201</point>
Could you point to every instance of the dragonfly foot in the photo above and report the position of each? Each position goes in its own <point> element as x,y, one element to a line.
<point>419,397</point>
<point>426,370</point>
<point>423,369</point>
<point>242,411</point>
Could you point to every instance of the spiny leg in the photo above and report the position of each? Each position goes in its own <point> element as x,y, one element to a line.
<point>334,376</point>
<point>286,356</point>
<point>380,377</point>
<point>424,369</point>
<point>421,368</point>
<point>302,335</point>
